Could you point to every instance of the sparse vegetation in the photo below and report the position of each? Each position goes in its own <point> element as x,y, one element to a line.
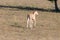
<point>13,22</point>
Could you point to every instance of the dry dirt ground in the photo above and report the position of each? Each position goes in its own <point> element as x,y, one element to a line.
<point>13,21</point>
<point>13,25</point>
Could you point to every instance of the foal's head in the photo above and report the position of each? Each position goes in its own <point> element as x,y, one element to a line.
<point>35,13</point>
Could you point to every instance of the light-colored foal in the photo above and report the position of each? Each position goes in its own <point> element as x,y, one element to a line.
<point>31,19</point>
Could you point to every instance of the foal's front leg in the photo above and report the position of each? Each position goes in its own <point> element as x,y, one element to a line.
<point>27,23</point>
<point>35,22</point>
<point>31,24</point>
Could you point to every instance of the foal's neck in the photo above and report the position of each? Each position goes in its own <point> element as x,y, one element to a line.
<point>34,13</point>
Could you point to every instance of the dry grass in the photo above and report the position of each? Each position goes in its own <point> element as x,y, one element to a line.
<point>13,23</point>
<point>13,26</point>
<point>31,3</point>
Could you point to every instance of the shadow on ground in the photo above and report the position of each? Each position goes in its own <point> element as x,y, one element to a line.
<point>30,8</point>
<point>16,25</point>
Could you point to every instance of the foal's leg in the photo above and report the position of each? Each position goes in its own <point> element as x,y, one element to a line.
<point>27,22</point>
<point>34,22</point>
<point>31,24</point>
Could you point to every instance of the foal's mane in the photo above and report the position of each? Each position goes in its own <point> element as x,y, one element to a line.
<point>33,12</point>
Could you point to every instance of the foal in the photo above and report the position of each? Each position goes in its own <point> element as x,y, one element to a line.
<point>31,19</point>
